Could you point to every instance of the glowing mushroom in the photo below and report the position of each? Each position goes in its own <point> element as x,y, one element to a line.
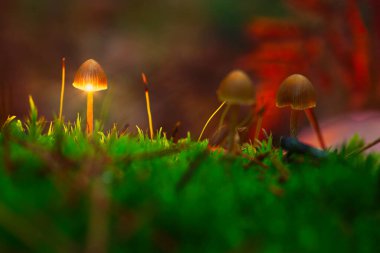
<point>297,92</point>
<point>90,77</point>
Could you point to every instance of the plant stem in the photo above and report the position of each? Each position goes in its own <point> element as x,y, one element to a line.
<point>314,123</point>
<point>209,119</point>
<point>62,88</point>
<point>149,114</point>
<point>90,113</point>
<point>147,99</point>
<point>369,145</point>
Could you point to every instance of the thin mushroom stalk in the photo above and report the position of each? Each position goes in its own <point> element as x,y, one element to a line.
<point>221,121</point>
<point>294,118</point>
<point>90,113</point>
<point>233,123</point>
<point>314,123</point>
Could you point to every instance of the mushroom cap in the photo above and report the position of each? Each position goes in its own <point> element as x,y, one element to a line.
<point>237,88</point>
<point>297,92</point>
<point>90,77</point>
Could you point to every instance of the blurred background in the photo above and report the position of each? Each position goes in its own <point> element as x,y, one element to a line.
<point>186,48</point>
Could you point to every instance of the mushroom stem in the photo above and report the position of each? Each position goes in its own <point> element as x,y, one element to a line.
<point>209,119</point>
<point>62,88</point>
<point>90,112</point>
<point>232,128</point>
<point>294,116</point>
<point>314,123</point>
<point>221,121</point>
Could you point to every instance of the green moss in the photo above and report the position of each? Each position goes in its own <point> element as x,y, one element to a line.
<point>61,191</point>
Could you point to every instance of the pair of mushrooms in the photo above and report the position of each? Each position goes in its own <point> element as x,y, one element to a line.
<point>296,91</point>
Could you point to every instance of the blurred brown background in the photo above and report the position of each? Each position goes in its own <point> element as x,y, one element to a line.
<point>185,48</point>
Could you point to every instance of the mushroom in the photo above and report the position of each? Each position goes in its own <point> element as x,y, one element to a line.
<point>234,90</point>
<point>90,77</point>
<point>237,89</point>
<point>297,92</point>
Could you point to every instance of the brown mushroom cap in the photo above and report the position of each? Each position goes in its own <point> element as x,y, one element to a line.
<point>90,77</point>
<point>297,92</point>
<point>237,88</point>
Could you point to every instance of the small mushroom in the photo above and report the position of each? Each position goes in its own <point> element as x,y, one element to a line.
<point>236,89</point>
<point>90,77</point>
<point>297,92</point>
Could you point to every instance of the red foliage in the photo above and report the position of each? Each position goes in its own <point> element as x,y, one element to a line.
<point>328,42</point>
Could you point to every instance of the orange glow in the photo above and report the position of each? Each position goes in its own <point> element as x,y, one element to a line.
<point>90,77</point>
<point>89,87</point>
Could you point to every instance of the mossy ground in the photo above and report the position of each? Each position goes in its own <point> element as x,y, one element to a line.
<point>61,191</point>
